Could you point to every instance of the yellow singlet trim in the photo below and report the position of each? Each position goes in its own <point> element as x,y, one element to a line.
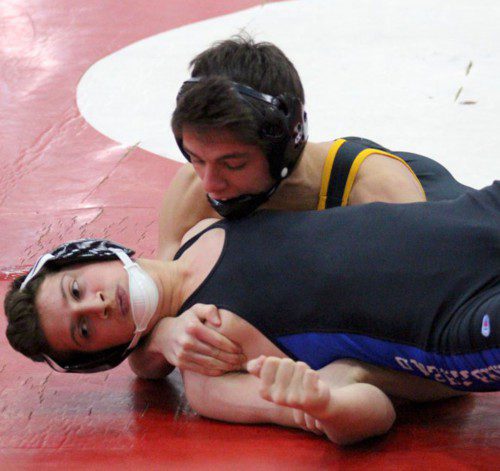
<point>327,170</point>
<point>357,163</point>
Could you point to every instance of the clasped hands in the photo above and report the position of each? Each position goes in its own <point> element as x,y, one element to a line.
<point>191,341</point>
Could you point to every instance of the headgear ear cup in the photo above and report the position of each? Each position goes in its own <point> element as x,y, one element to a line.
<point>284,127</point>
<point>296,132</point>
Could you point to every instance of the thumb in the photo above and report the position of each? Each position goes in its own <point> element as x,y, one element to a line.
<point>254,366</point>
<point>212,315</point>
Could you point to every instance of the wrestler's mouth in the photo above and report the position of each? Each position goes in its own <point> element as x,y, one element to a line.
<point>122,301</point>
<point>218,197</point>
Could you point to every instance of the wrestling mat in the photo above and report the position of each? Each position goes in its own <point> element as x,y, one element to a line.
<point>86,91</point>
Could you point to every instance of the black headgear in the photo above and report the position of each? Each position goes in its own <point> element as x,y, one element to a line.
<point>82,251</point>
<point>283,125</point>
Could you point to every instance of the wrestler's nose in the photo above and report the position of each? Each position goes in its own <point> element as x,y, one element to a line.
<point>212,178</point>
<point>96,305</point>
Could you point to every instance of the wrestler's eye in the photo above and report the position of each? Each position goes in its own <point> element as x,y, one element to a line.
<point>195,160</point>
<point>230,166</point>
<point>84,328</point>
<point>75,290</point>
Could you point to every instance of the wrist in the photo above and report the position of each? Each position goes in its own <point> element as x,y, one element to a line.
<point>158,337</point>
<point>327,408</point>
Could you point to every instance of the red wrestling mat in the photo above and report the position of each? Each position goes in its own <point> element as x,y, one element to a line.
<point>60,179</point>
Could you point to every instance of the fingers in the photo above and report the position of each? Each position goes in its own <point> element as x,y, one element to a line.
<point>189,346</point>
<point>307,422</point>
<point>276,381</point>
<point>254,366</point>
<point>190,351</point>
<point>289,383</point>
<point>212,338</point>
<point>293,384</point>
<point>208,313</point>
<point>210,348</point>
<point>198,347</point>
<point>282,381</point>
<point>299,417</point>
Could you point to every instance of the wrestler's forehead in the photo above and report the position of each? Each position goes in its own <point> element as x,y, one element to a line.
<point>50,291</point>
<point>223,139</point>
<point>91,272</point>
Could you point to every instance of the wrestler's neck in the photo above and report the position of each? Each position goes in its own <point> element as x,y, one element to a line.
<point>299,192</point>
<point>170,278</point>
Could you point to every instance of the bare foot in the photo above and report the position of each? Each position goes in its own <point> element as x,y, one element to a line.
<point>293,384</point>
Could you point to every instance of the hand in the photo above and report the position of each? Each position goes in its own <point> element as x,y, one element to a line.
<point>293,384</point>
<point>190,342</point>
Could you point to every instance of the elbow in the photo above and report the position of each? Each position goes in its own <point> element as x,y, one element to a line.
<point>384,420</point>
<point>153,370</point>
<point>370,414</point>
<point>193,401</point>
<point>357,434</point>
<point>148,374</point>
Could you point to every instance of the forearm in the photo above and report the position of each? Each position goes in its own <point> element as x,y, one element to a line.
<point>352,413</point>
<point>233,397</point>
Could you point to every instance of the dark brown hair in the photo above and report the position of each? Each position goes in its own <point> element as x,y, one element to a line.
<point>24,331</point>
<point>213,103</point>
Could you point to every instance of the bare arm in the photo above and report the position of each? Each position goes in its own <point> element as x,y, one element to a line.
<point>285,392</point>
<point>184,205</point>
<point>189,342</point>
<point>384,179</point>
<point>184,341</point>
<point>233,397</point>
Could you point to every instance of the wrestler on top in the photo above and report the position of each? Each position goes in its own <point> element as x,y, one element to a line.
<point>242,125</point>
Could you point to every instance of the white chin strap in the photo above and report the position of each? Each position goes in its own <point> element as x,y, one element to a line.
<point>143,295</point>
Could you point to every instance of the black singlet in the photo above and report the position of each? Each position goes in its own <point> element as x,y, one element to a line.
<point>413,287</point>
<point>347,154</point>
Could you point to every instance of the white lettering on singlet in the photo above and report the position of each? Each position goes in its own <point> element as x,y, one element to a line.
<point>488,374</point>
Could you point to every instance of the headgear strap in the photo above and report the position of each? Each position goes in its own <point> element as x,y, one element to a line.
<point>283,124</point>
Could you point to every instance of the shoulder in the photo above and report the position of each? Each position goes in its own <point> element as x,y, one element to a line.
<point>385,179</point>
<point>186,180</point>
<point>197,228</point>
<point>184,197</point>
<point>184,205</point>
